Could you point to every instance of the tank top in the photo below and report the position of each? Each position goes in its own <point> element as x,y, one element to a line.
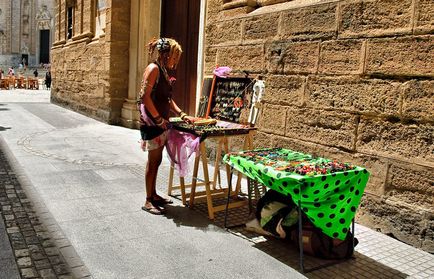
<point>161,95</point>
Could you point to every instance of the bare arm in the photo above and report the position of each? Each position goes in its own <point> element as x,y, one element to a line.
<point>174,107</point>
<point>149,78</point>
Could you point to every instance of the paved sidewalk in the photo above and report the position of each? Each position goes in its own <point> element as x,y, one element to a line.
<point>89,177</point>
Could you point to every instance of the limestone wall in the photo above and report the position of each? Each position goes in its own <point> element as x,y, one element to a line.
<point>351,80</point>
<point>90,70</point>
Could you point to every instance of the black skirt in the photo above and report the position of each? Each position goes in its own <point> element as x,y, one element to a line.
<point>150,132</point>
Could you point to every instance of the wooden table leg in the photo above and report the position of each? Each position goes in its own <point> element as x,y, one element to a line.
<point>194,179</point>
<point>182,184</point>
<point>207,182</point>
<point>217,165</point>
<point>169,189</point>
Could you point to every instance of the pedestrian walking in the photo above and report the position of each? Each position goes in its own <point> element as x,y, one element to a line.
<point>35,73</point>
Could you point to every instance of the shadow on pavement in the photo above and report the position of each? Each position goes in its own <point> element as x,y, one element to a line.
<point>360,266</point>
<point>4,128</point>
<point>183,216</point>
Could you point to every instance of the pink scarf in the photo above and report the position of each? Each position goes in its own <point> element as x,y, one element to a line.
<point>179,145</point>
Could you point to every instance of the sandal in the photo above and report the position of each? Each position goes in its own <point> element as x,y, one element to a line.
<point>157,200</point>
<point>153,209</point>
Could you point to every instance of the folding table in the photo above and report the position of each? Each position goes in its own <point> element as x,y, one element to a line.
<point>222,132</point>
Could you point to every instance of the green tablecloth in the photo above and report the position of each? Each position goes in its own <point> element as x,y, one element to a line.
<point>329,191</point>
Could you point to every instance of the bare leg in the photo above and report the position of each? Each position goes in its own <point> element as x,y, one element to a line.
<point>154,160</point>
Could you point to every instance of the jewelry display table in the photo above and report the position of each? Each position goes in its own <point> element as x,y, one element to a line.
<point>327,192</point>
<point>222,132</point>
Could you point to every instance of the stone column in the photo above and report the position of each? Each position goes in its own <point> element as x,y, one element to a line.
<point>145,24</point>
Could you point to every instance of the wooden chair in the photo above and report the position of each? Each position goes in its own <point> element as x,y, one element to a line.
<point>4,83</point>
<point>32,83</point>
<point>11,82</point>
<point>21,82</point>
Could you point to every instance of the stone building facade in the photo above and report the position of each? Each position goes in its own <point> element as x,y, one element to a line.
<point>26,31</point>
<point>99,55</point>
<point>351,80</point>
<point>346,79</point>
<point>90,56</point>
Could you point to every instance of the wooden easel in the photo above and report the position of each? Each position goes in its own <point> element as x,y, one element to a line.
<point>211,186</point>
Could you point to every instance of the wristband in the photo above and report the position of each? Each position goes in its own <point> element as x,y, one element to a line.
<point>182,115</point>
<point>159,120</point>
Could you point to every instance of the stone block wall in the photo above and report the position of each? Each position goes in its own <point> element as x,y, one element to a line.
<point>351,80</point>
<point>90,73</point>
<point>5,27</point>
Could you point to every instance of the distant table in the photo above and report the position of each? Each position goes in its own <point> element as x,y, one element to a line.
<point>328,192</point>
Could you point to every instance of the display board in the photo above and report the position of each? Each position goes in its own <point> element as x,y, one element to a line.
<point>225,98</point>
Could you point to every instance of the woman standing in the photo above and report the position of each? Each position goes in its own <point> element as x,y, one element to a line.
<point>48,79</point>
<point>155,105</point>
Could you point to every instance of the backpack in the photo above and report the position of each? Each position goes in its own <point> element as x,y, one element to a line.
<point>318,244</point>
<point>277,214</point>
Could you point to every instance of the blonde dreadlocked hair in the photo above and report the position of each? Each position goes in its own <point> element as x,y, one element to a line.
<point>165,45</point>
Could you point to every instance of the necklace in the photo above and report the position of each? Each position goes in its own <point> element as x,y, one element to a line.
<point>166,76</point>
<point>163,69</point>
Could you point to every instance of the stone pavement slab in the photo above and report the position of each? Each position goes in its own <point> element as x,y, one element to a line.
<point>24,96</point>
<point>89,176</point>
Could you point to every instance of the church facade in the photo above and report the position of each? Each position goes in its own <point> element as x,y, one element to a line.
<point>26,31</point>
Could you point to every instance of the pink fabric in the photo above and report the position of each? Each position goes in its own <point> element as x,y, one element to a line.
<point>180,146</point>
<point>144,116</point>
<point>222,72</point>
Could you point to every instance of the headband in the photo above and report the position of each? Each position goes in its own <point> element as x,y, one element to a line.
<point>163,45</point>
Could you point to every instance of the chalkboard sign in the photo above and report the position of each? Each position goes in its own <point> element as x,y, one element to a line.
<point>227,98</point>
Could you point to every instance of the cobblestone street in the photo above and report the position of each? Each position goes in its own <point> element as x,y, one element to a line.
<point>22,234</point>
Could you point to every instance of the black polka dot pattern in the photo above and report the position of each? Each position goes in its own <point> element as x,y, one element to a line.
<point>330,201</point>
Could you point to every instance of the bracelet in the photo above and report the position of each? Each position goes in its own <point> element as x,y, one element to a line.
<point>182,115</point>
<point>159,120</point>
